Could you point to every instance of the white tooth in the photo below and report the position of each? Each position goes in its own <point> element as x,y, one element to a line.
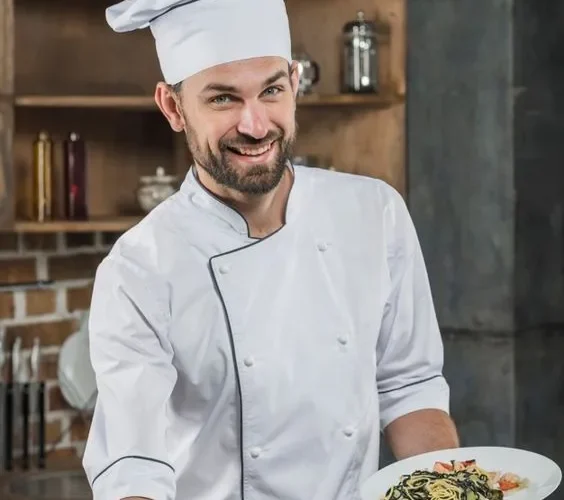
<point>252,152</point>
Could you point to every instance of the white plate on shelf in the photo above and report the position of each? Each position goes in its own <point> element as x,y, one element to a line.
<point>543,474</point>
<point>77,379</point>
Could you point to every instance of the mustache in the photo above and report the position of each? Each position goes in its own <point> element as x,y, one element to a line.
<point>243,140</point>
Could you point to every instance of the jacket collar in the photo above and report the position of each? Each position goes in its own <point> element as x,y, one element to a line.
<point>205,200</point>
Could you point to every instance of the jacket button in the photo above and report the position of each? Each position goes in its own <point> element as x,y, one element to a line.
<point>249,361</point>
<point>348,431</point>
<point>343,340</point>
<point>322,246</point>
<point>224,269</point>
<point>255,452</point>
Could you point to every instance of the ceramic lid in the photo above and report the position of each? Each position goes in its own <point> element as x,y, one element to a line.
<point>159,178</point>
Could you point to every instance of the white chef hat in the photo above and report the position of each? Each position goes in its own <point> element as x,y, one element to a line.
<point>192,35</point>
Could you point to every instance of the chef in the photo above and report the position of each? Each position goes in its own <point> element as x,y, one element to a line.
<point>259,331</point>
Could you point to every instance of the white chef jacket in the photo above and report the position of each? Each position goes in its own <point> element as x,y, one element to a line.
<point>232,368</point>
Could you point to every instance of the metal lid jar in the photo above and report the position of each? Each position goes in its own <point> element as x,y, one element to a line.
<point>359,71</point>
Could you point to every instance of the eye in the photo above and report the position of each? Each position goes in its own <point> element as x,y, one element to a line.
<point>221,99</point>
<point>272,91</point>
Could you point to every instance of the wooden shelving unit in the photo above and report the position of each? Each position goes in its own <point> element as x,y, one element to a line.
<point>109,225</point>
<point>87,101</point>
<point>383,100</point>
<point>63,69</point>
<point>147,103</point>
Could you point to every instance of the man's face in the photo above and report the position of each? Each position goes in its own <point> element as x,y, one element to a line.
<point>239,120</point>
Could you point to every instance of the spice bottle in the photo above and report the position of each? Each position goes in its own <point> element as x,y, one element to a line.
<point>43,177</point>
<point>74,153</point>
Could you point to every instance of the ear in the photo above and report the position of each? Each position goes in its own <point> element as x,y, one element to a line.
<point>169,104</point>
<point>295,77</point>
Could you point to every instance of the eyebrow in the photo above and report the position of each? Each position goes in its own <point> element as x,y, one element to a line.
<point>220,87</point>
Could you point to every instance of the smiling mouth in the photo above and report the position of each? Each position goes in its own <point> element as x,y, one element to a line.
<point>251,151</point>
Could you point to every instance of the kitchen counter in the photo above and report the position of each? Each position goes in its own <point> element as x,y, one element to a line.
<point>64,480</point>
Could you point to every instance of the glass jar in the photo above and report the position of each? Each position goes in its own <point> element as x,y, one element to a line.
<point>155,189</point>
<point>359,70</point>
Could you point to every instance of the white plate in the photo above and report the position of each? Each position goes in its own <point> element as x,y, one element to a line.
<point>543,474</point>
<point>77,379</point>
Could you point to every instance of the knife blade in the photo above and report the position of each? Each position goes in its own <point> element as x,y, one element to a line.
<point>35,360</point>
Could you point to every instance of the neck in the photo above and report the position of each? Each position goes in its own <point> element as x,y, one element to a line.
<point>264,213</point>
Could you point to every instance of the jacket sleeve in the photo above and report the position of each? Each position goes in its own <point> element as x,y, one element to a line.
<point>410,349</point>
<point>126,451</point>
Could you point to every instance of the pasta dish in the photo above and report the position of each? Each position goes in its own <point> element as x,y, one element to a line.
<point>455,481</point>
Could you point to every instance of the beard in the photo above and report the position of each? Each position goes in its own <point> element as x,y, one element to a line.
<point>255,180</point>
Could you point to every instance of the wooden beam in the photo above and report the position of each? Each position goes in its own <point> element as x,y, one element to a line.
<point>6,113</point>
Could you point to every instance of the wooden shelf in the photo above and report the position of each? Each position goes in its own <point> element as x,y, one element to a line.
<point>360,100</point>
<point>77,101</point>
<point>110,225</point>
<point>148,103</point>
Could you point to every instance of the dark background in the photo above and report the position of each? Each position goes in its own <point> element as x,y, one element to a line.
<point>486,192</point>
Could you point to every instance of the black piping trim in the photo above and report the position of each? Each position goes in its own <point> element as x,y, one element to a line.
<point>255,240</point>
<point>171,9</point>
<point>132,456</point>
<point>409,385</point>
<point>195,173</point>
<point>237,379</point>
<point>233,353</point>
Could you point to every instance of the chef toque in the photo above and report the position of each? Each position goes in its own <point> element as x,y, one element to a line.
<point>192,35</point>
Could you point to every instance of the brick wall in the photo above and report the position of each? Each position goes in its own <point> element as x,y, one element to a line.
<point>51,313</point>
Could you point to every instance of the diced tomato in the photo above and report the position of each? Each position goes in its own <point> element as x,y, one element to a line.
<point>512,478</point>
<point>442,467</point>
<point>505,485</point>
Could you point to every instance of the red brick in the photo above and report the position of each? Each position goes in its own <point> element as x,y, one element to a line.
<point>74,267</point>
<point>77,240</point>
<point>6,305</point>
<point>39,241</point>
<point>61,454</point>
<point>53,433</point>
<point>56,400</point>
<point>40,302</point>
<point>78,299</point>
<point>8,242</point>
<point>108,239</point>
<point>52,333</point>
<point>17,270</point>
<point>80,428</point>
<point>49,367</point>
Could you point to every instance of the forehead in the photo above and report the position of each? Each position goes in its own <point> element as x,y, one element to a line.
<point>247,74</point>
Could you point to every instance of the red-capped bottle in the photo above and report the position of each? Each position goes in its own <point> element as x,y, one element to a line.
<point>75,177</point>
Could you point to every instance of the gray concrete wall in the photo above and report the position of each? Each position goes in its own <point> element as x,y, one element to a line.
<point>462,198</point>
<point>486,191</point>
<point>539,229</point>
<point>460,156</point>
<point>539,161</point>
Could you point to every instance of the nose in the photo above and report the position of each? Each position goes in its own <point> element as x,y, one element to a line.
<point>253,121</point>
